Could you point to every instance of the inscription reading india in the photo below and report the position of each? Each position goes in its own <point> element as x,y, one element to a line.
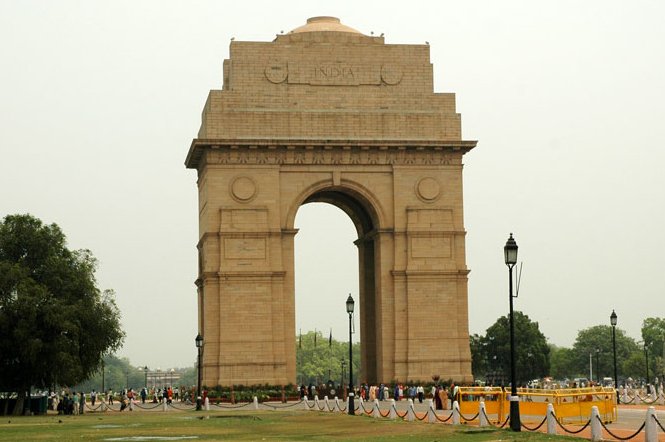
<point>333,72</point>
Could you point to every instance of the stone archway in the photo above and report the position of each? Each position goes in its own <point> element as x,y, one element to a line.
<point>328,114</point>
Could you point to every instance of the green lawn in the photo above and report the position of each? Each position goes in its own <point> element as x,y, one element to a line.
<point>245,426</point>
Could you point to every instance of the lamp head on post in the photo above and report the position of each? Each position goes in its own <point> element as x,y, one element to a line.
<point>350,304</point>
<point>510,251</point>
<point>199,341</point>
<point>613,319</point>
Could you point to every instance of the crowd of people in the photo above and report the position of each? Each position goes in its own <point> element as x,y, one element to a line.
<point>72,402</point>
<point>442,395</point>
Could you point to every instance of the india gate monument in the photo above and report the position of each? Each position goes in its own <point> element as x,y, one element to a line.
<point>324,113</point>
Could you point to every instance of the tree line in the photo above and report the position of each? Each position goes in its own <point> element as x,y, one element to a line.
<point>593,348</point>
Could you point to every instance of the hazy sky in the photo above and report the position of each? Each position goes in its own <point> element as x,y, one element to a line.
<point>99,101</point>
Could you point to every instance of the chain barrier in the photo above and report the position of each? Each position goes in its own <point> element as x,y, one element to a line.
<point>492,423</point>
<point>146,407</point>
<point>535,428</point>
<point>232,407</point>
<point>365,409</point>
<point>469,419</point>
<point>424,416</point>
<point>384,415</point>
<point>443,420</point>
<point>628,402</point>
<point>619,437</point>
<point>277,407</point>
<point>310,406</point>
<point>401,416</point>
<point>658,422</point>
<point>645,401</point>
<point>571,431</point>
<point>95,408</point>
<point>182,408</point>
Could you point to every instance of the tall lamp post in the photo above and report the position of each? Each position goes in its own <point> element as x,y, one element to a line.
<point>199,347</point>
<point>145,370</point>
<point>510,254</point>
<point>613,322</point>
<point>646,361</point>
<point>349,309</point>
<point>343,370</point>
<point>598,366</point>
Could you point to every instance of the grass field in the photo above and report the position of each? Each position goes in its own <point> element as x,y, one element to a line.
<point>244,426</point>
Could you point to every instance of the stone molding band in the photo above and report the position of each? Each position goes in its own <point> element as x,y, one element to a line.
<point>326,152</point>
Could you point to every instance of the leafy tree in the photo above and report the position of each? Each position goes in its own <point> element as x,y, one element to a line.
<point>562,362</point>
<point>55,324</point>
<point>599,337</point>
<point>653,336</point>
<point>318,359</point>
<point>492,351</point>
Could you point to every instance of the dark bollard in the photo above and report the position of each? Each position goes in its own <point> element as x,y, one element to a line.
<point>198,403</point>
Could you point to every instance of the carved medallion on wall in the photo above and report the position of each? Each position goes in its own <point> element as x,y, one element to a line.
<point>276,72</point>
<point>428,189</point>
<point>243,189</point>
<point>391,75</point>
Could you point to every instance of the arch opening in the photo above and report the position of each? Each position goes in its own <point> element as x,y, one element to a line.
<point>322,220</point>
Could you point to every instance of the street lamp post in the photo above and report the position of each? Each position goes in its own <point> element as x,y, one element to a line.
<point>510,255</point>
<point>103,373</point>
<point>646,361</point>
<point>343,370</point>
<point>598,366</point>
<point>199,347</point>
<point>613,322</point>
<point>127,379</point>
<point>349,309</point>
<point>145,369</point>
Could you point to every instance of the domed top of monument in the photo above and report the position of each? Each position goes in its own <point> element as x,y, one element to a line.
<point>324,24</point>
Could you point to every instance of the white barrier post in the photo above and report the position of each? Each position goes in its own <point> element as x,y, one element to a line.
<point>624,396</point>
<point>650,427</point>
<point>131,404</point>
<point>482,415</point>
<point>411,413</point>
<point>207,403</point>
<point>376,411</point>
<point>305,402</point>
<point>325,399</point>
<point>392,414</point>
<point>316,402</point>
<point>456,413</point>
<point>256,403</point>
<point>551,419</point>
<point>596,429</point>
<point>431,413</point>
<point>165,405</point>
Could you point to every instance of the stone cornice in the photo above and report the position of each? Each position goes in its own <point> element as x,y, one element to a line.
<point>326,152</point>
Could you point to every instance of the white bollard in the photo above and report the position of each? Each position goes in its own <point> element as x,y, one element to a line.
<point>596,428</point>
<point>456,413</point>
<point>392,414</point>
<point>376,411</point>
<point>482,415</point>
<point>650,427</point>
<point>336,407</point>
<point>624,396</point>
<point>305,402</point>
<point>207,403</point>
<point>256,403</point>
<point>131,404</point>
<point>166,406</point>
<point>551,419</point>
<point>431,413</point>
<point>325,399</point>
<point>316,402</point>
<point>411,412</point>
